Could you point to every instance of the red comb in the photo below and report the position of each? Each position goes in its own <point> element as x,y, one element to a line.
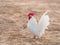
<point>31,13</point>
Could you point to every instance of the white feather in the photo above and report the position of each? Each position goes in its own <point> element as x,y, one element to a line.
<point>38,28</point>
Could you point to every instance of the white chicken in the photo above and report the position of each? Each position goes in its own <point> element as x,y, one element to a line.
<point>38,28</point>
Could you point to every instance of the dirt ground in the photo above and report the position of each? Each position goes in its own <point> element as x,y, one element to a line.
<point>13,21</point>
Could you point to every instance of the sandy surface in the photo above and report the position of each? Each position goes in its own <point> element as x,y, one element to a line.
<point>13,20</point>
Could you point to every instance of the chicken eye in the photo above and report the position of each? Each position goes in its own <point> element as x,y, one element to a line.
<point>30,17</point>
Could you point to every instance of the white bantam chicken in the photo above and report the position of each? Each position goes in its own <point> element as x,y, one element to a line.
<point>38,28</point>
